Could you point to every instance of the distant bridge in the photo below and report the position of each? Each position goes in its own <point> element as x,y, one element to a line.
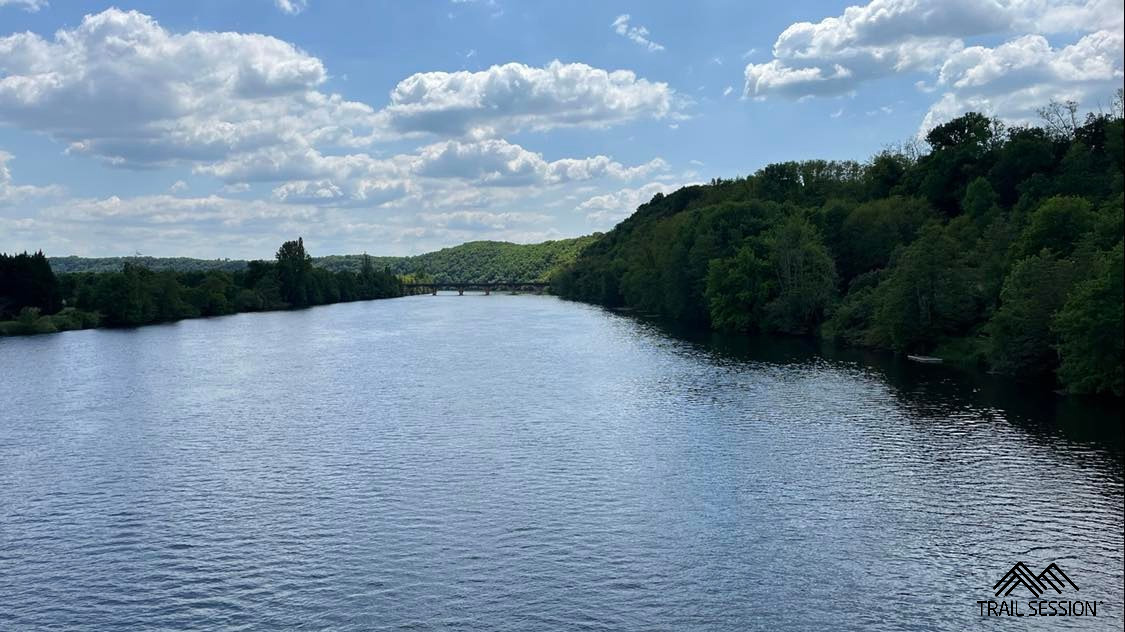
<point>513,287</point>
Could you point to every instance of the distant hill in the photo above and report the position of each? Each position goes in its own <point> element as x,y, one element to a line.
<point>478,261</point>
<point>63,265</point>
<point>475,261</point>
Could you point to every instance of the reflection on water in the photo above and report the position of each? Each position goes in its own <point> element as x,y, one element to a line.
<point>1034,406</point>
<point>523,463</point>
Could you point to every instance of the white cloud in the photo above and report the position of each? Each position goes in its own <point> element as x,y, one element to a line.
<point>1014,79</point>
<point>27,5</point>
<point>728,90</point>
<point>122,88</point>
<point>902,37</point>
<point>366,192</point>
<point>358,179</point>
<point>170,209</point>
<point>11,193</point>
<point>636,34</point>
<point>606,210</point>
<point>251,109</point>
<point>887,37</point>
<point>500,163</point>
<point>515,97</point>
<point>481,220</point>
<point>292,7</point>
<point>248,108</point>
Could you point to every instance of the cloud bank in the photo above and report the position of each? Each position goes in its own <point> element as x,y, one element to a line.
<point>928,38</point>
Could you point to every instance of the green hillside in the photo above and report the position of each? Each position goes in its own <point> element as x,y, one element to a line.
<point>999,247</point>
<point>477,261</point>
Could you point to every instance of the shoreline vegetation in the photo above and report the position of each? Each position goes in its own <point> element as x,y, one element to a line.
<point>470,262</point>
<point>42,302</point>
<point>40,294</point>
<point>995,247</point>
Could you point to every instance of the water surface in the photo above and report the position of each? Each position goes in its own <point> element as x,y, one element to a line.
<point>523,463</point>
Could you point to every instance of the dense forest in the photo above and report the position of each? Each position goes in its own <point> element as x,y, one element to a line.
<point>995,246</point>
<point>479,261</point>
<point>70,264</point>
<point>33,299</point>
<point>472,262</point>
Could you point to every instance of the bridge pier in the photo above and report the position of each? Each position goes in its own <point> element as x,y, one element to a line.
<point>460,291</point>
<point>435,291</point>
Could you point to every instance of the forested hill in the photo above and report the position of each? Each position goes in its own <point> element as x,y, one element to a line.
<point>475,261</point>
<point>478,261</point>
<point>65,265</point>
<point>1000,247</point>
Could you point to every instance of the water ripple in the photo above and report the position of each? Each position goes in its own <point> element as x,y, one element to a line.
<point>520,463</point>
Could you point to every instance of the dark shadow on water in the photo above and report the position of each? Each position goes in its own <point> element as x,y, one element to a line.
<point>931,390</point>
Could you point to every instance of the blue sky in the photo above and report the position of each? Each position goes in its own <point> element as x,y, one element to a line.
<point>219,129</point>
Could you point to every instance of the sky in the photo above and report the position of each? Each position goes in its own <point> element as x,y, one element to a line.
<point>220,129</point>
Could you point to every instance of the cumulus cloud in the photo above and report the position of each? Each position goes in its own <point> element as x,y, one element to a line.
<point>606,210</point>
<point>886,37</point>
<point>122,88</point>
<point>636,34</point>
<point>11,193</point>
<point>241,106</point>
<point>369,192</point>
<point>252,112</point>
<point>930,37</point>
<point>514,97</point>
<point>1015,78</point>
<point>500,163</point>
<point>359,179</point>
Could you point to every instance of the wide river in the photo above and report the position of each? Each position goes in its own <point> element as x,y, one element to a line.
<point>524,463</point>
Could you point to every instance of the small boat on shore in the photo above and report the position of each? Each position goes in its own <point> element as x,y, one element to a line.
<point>924,359</point>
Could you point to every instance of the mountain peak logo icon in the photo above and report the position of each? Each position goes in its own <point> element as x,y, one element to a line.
<point>1052,577</point>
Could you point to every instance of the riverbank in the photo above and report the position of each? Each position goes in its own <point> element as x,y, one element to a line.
<point>959,376</point>
<point>43,302</point>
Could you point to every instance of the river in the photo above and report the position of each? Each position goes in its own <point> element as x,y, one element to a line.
<point>524,463</point>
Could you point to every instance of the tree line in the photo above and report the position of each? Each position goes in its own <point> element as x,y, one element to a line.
<point>997,246</point>
<point>33,299</point>
<point>471,262</point>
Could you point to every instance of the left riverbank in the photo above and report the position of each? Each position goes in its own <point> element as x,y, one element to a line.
<point>34,300</point>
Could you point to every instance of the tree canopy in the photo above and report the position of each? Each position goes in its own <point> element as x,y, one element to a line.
<point>39,302</point>
<point>998,246</point>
